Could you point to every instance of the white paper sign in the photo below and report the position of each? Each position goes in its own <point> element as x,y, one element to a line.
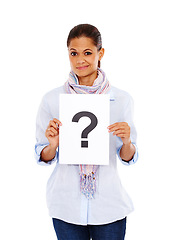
<point>83,136</point>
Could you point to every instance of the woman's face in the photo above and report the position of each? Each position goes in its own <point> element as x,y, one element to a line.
<point>84,57</point>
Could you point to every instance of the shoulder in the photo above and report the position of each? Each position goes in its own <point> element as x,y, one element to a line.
<point>122,104</point>
<point>50,101</point>
<point>53,94</point>
<point>120,95</point>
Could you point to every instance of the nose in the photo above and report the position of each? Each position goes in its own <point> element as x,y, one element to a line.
<point>80,60</point>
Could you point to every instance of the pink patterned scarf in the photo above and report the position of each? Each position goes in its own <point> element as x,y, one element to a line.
<point>101,86</point>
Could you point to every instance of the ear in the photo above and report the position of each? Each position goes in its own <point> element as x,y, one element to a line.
<point>101,53</point>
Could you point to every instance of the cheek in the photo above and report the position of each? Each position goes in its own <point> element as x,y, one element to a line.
<point>72,61</point>
<point>94,60</point>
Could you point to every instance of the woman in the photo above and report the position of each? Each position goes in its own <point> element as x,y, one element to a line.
<point>87,201</point>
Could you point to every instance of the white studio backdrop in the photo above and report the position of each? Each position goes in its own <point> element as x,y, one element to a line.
<point>139,40</point>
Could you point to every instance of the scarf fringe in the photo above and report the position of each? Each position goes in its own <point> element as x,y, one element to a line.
<point>88,184</point>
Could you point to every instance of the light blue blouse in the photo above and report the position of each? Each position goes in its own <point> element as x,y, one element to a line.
<point>64,199</point>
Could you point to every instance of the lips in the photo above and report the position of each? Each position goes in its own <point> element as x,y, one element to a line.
<point>82,67</point>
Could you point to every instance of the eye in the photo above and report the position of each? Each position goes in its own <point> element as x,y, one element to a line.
<point>88,53</point>
<point>73,53</point>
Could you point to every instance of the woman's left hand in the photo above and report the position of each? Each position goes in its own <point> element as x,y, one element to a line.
<point>122,130</point>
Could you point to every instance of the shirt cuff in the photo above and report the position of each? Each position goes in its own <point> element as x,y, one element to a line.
<point>133,160</point>
<point>38,149</point>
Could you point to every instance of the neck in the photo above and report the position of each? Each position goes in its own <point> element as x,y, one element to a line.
<point>87,80</point>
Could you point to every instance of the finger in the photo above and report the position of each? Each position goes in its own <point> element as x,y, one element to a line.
<point>54,124</point>
<point>117,132</point>
<point>113,125</point>
<point>57,121</point>
<point>48,133</point>
<point>118,125</point>
<point>116,128</point>
<point>122,135</point>
<point>53,130</point>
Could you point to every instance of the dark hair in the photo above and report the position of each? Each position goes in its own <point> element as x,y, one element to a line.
<point>86,30</point>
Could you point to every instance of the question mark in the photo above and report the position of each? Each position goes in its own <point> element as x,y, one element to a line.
<point>89,128</point>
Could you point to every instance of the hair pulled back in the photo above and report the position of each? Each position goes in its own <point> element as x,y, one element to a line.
<point>86,30</point>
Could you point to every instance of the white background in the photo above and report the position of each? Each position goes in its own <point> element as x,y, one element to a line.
<point>140,57</point>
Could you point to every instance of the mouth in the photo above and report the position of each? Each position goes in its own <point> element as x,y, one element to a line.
<point>82,67</point>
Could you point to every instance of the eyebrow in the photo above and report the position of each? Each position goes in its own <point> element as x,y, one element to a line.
<point>73,49</point>
<point>87,49</point>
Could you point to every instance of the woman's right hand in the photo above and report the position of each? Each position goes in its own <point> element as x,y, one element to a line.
<point>52,133</point>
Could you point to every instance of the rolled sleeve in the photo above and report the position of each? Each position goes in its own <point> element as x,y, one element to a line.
<point>38,150</point>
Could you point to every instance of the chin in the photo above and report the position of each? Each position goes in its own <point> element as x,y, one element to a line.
<point>85,73</point>
<point>82,73</point>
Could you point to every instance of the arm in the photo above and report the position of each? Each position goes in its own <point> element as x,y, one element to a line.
<point>46,151</point>
<point>52,134</point>
<point>127,152</point>
<point>122,130</point>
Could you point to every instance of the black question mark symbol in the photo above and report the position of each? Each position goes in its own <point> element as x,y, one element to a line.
<point>89,128</point>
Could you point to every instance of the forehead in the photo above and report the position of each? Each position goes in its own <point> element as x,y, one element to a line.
<point>82,43</point>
